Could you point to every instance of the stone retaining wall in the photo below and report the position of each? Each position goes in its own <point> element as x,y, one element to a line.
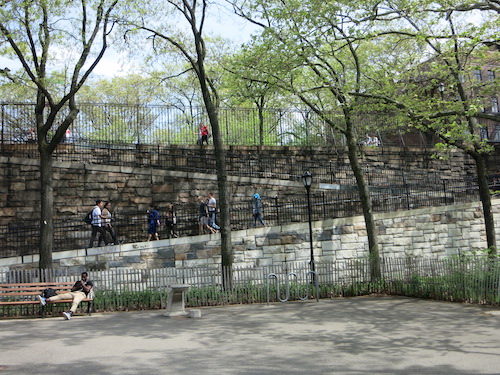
<point>430,232</point>
<point>78,184</point>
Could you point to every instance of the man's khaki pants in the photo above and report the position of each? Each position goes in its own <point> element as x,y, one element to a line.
<point>77,297</point>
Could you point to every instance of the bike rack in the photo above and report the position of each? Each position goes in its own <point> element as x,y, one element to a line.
<point>287,283</point>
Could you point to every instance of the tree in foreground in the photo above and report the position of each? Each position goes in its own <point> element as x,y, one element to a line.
<point>430,76</point>
<point>45,35</point>
<point>310,51</point>
<point>192,48</point>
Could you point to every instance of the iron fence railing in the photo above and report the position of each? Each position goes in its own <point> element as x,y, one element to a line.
<point>458,279</point>
<point>21,237</point>
<point>254,165</point>
<point>157,124</point>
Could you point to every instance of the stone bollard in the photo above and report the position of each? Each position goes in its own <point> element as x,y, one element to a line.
<point>175,301</point>
<point>195,313</point>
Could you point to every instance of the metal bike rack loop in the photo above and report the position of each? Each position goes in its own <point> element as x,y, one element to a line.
<point>314,276</point>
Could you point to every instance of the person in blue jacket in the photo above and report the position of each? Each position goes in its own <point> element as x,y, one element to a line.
<point>257,209</point>
<point>153,222</point>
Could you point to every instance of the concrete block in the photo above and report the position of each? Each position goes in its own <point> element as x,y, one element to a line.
<point>194,313</point>
<point>11,261</point>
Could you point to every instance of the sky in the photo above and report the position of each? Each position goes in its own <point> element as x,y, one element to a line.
<point>224,24</point>
<point>221,22</point>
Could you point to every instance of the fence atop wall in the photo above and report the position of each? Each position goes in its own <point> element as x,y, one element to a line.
<point>239,163</point>
<point>21,237</point>
<point>458,279</point>
<point>159,124</point>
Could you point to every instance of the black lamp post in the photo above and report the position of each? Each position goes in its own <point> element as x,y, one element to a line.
<point>307,181</point>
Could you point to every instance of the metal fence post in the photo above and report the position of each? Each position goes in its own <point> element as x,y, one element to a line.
<point>277,210</point>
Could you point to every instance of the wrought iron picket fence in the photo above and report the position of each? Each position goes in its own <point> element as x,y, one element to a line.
<point>99,123</point>
<point>254,165</point>
<point>21,237</point>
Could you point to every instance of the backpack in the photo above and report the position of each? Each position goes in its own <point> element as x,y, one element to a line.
<point>88,217</point>
<point>49,292</point>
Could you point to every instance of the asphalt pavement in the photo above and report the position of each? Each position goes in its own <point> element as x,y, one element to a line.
<point>362,335</point>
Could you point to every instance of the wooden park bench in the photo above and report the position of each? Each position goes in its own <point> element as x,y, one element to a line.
<point>26,294</point>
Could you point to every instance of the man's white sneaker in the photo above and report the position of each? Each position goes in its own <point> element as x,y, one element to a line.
<point>67,315</point>
<point>43,300</point>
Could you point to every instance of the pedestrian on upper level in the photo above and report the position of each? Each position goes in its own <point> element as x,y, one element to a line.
<point>170,221</point>
<point>203,226</point>
<point>153,222</point>
<point>257,209</point>
<point>203,134</point>
<point>106,221</point>
<point>97,227</point>
<point>212,211</point>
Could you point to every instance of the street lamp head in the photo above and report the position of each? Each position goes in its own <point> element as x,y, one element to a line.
<point>441,87</point>
<point>307,179</point>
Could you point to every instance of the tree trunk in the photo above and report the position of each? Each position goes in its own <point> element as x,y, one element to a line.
<point>484,195</point>
<point>47,210</point>
<point>220,164</point>
<point>366,204</point>
<point>225,224</point>
<point>261,124</point>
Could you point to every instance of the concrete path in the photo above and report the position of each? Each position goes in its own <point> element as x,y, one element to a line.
<point>363,335</point>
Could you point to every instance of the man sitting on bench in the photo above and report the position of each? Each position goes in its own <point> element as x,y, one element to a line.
<point>78,293</point>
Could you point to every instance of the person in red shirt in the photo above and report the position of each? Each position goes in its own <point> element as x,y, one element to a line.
<point>203,133</point>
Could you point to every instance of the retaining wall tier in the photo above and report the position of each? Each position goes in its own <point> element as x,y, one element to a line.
<point>430,232</point>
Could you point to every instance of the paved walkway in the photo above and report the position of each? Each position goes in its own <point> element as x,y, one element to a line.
<point>363,335</point>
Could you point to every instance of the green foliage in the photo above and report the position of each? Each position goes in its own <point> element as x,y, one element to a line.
<point>126,300</point>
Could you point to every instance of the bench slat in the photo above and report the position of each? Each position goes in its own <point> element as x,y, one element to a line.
<point>44,284</point>
<point>30,289</point>
<point>38,302</point>
<point>29,293</point>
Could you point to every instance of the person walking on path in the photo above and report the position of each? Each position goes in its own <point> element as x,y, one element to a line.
<point>257,210</point>
<point>170,221</point>
<point>106,213</point>
<point>212,211</point>
<point>203,132</point>
<point>79,292</point>
<point>97,223</point>
<point>203,217</point>
<point>153,222</point>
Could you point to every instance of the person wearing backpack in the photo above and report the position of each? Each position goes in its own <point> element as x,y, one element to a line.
<point>153,222</point>
<point>97,223</point>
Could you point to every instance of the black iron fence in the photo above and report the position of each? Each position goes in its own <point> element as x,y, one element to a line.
<point>21,237</point>
<point>278,166</point>
<point>155,124</point>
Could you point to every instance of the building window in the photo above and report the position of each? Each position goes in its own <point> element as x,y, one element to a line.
<point>496,134</point>
<point>477,75</point>
<point>484,133</point>
<point>491,75</point>
<point>494,104</point>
